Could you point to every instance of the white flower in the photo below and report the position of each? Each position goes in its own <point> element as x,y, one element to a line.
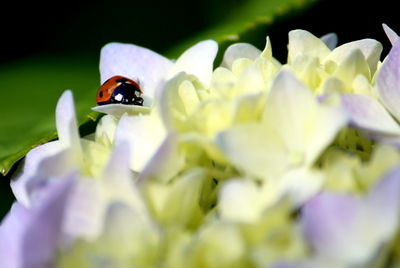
<point>152,70</point>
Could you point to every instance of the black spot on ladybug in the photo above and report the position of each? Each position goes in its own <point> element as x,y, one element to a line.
<point>126,93</point>
<point>121,90</point>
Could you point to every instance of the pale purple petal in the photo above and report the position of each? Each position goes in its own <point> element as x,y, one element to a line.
<point>351,229</point>
<point>326,219</point>
<point>387,139</point>
<point>296,264</point>
<point>388,81</point>
<point>30,188</point>
<point>11,233</point>
<point>384,200</point>
<point>368,114</point>
<point>239,50</point>
<point>30,168</point>
<point>330,40</point>
<point>85,211</point>
<point>90,198</point>
<point>43,234</point>
<point>135,62</point>
<point>54,158</point>
<point>198,61</point>
<point>392,35</point>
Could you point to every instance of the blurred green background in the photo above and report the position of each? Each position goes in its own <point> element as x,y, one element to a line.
<point>47,47</point>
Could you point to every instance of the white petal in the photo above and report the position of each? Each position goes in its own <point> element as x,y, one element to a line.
<point>330,40</point>
<point>117,168</point>
<point>368,114</point>
<point>166,161</point>
<point>253,149</point>
<point>392,35</point>
<point>169,100</point>
<point>370,48</point>
<point>144,134</point>
<point>299,185</point>
<point>198,61</point>
<point>135,62</point>
<point>126,239</point>
<point>67,126</point>
<point>305,126</point>
<point>289,100</point>
<point>237,51</point>
<point>388,81</point>
<point>177,203</point>
<point>118,110</point>
<point>267,52</point>
<point>105,130</point>
<point>118,180</point>
<point>304,43</point>
<point>352,65</point>
<point>241,200</point>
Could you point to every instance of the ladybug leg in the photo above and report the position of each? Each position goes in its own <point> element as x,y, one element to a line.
<point>138,101</point>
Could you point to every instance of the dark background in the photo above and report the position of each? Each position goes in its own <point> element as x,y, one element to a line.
<point>31,29</point>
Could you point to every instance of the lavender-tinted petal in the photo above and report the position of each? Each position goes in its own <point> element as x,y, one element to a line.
<point>11,233</point>
<point>42,236</point>
<point>85,211</point>
<point>325,219</point>
<point>388,81</point>
<point>384,200</point>
<point>392,35</point>
<point>330,40</point>
<point>31,168</point>
<point>351,229</point>
<point>368,114</point>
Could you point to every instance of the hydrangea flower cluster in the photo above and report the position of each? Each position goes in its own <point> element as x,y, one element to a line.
<point>252,164</point>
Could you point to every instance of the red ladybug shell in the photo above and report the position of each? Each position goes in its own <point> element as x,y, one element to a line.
<point>119,89</point>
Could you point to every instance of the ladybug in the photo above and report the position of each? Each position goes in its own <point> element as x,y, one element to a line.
<point>119,89</point>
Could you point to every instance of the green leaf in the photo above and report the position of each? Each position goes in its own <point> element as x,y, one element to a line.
<point>246,23</point>
<point>30,88</point>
